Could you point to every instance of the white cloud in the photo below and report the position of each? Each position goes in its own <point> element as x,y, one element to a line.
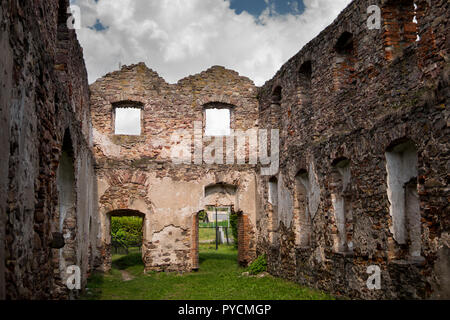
<point>178,38</point>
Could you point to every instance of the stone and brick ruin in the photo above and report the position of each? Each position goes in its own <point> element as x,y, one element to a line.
<point>47,178</point>
<point>136,174</point>
<point>363,156</point>
<point>364,166</point>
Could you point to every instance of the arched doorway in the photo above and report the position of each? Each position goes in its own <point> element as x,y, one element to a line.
<point>222,221</point>
<point>113,242</point>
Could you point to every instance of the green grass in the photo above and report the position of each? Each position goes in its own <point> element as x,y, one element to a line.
<point>219,278</point>
<point>210,234</point>
<point>206,234</point>
<point>213,224</point>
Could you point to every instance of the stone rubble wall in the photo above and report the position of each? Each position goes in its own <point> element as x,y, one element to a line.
<point>348,95</point>
<point>136,174</point>
<point>392,92</point>
<point>44,93</point>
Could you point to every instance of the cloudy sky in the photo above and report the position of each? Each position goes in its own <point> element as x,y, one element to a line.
<point>177,38</point>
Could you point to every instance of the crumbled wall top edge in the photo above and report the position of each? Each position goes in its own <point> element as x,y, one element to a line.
<point>153,74</point>
<point>335,28</point>
<point>303,54</point>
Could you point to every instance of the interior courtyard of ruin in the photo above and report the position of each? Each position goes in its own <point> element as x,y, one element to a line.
<point>356,168</point>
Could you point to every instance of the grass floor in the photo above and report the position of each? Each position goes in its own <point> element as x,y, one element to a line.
<point>219,278</point>
<point>209,235</point>
<point>206,234</point>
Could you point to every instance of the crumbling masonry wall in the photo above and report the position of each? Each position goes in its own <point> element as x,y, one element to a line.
<point>354,94</point>
<point>44,100</point>
<point>137,173</point>
<point>353,107</point>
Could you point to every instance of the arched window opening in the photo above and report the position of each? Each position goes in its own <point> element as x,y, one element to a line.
<point>273,213</point>
<point>66,180</point>
<point>273,191</point>
<point>402,189</point>
<point>400,26</point>
<point>344,70</point>
<point>62,13</point>
<point>277,95</point>
<point>344,45</point>
<point>305,75</point>
<point>62,37</point>
<point>65,224</point>
<point>341,198</point>
<point>301,210</point>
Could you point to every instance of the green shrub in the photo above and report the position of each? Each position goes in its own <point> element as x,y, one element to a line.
<point>258,266</point>
<point>126,231</point>
<point>202,216</point>
<point>234,227</point>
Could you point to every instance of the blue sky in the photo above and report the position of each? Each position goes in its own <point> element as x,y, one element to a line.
<point>256,7</point>
<point>177,38</point>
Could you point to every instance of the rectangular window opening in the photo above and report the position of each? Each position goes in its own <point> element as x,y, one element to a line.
<point>127,121</point>
<point>218,122</point>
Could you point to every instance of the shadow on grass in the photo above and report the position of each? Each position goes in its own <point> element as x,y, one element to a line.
<point>222,256</point>
<point>217,256</point>
<point>93,290</point>
<point>130,260</point>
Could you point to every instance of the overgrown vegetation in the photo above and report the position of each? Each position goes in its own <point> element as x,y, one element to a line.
<point>126,231</point>
<point>219,278</point>
<point>234,227</point>
<point>202,216</point>
<point>258,266</point>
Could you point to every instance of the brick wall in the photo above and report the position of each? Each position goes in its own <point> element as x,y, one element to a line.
<point>246,240</point>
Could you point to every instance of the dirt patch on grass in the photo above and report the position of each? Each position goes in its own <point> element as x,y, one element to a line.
<point>126,276</point>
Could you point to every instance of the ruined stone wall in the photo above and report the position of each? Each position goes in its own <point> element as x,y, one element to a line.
<point>344,105</point>
<point>44,102</point>
<point>137,174</point>
<point>348,95</point>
